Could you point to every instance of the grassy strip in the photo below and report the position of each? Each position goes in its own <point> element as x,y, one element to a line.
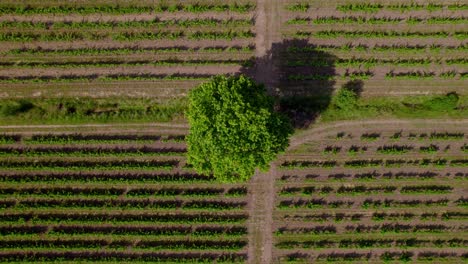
<point>345,107</point>
<point>342,106</point>
<point>88,110</point>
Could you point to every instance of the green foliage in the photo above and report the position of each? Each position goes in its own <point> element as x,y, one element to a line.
<point>85,110</point>
<point>123,36</point>
<point>345,99</point>
<point>233,128</point>
<point>377,34</point>
<point>442,103</point>
<point>435,106</point>
<point>402,7</point>
<point>131,9</point>
<point>119,25</point>
<point>15,107</point>
<point>298,7</point>
<point>123,51</point>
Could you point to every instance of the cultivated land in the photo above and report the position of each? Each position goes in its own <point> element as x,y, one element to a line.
<point>395,47</point>
<point>140,48</point>
<point>376,191</point>
<point>74,190</point>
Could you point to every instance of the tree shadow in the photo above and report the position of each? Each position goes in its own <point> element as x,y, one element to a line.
<point>300,76</point>
<point>355,86</point>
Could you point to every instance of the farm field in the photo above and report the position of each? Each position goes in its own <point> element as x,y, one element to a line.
<point>141,49</point>
<point>373,193</point>
<point>93,196</point>
<point>120,48</point>
<point>347,191</point>
<point>93,152</point>
<point>394,47</point>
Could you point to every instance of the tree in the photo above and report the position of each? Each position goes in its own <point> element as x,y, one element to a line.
<point>234,128</point>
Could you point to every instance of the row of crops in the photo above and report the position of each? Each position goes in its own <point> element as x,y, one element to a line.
<point>355,75</point>
<point>124,36</point>
<point>365,163</point>
<point>113,198</point>
<point>382,44</point>
<point>11,9</point>
<point>334,20</point>
<point>350,211</point>
<point>60,48</point>
<point>377,7</point>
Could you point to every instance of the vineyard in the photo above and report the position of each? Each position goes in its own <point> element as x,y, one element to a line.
<point>373,194</point>
<point>93,196</point>
<point>93,131</point>
<point>395,47</point>
<point>126,48</point>
<point>351,193</point>
<point>146,49</point>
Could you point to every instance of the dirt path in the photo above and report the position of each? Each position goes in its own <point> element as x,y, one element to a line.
<point>118,128</point>
<point>267,28</point>
<point>261,201</point>
<point>262,191</point>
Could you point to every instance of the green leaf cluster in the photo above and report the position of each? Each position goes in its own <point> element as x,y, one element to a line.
<point>234,128</point>
<point>345,99</point>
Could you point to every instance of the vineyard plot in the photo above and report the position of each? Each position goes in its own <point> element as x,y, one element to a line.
<point>373,194</point>
<point>118,193</point>
<point>121,48</point>
<point>114,197</point>
<point>394,47</point>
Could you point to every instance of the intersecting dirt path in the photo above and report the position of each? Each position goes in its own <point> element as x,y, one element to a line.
<point>262,187</point>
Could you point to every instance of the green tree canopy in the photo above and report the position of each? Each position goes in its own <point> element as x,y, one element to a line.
<point>234,128</point>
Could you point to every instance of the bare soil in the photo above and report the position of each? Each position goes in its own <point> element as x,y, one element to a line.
<point>267,29</point>
<point>143,57</point>
<point>262,191</point>
<point>162,89</point>
<point>122,70</point>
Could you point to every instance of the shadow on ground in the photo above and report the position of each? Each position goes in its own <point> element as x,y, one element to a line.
<point>301,77</point>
